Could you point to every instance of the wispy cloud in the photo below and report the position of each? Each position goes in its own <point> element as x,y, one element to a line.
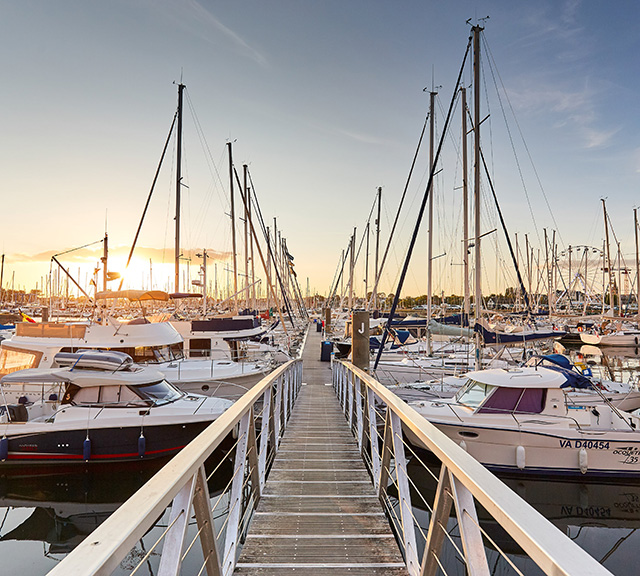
<point>568,107</point>
<point>200,22</point>
<point>636,159</point>
<point>358,137</point>
<point>559,81</point>
<point>204,15</point>
<point>556,25</point>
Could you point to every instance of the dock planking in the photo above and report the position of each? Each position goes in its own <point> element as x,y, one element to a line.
<point>319,513</point>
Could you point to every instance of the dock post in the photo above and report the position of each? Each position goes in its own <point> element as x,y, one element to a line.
<point>360,340</point>
<point>327,321</point>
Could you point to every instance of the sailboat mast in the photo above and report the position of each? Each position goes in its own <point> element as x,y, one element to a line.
<point>377,269</point>
<point>2,275</point>
<point>635,228</point>
<point>233,231</point>
<point>352,263</point>
<point>366,267</point>
<point>612,278</point>
<point>465,203</point>
<point>105,257</point>
<point>181,88</point>
<point>246,237</point>
<point>432,99</point>
<point>476,185</point>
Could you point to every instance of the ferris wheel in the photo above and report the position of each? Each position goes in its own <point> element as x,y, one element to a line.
<point>582,278</point>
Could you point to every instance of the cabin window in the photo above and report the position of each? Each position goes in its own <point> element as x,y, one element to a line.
<point>158,392</point>
<point>515,400</point>
<point>13,359</point>
<point>101,396</point>
<point>474,393</point>
<point>154,354</point>
<point>87,395</point>
<point>200,347</point>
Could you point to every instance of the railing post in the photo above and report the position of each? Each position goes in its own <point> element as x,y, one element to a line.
<point>252,458</point>
<point>235,500</point>
<point>292,388</point>
<point>204,519</point>
<point>350,399</point>
<point>404,497</point>
<point>345,391</point>
<point>285,398</point>
<point>437,524</point>
<point>385,463</point>
<point>267,419</point>
<point>373,433</point>
<point>357,392</point>
<point>171,558</point>
<point>469,527</point>
<point>277,416</point>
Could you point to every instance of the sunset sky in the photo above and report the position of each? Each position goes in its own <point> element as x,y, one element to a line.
<point>325,102</point>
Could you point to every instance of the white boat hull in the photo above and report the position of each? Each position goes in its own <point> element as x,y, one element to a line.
<point>629,339</point>
<point>538,451</point>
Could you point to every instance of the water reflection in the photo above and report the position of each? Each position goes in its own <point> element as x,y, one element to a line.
<point>45,515</point>
<point>602,518</point>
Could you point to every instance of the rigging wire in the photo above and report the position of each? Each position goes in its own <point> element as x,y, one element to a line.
<point>146,206</point>
<point>428,191</point>
<point>395,222</point>
<point>216,183</point>
<point>495,73</point>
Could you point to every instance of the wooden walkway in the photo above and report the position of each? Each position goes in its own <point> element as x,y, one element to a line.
<point>319,513</point>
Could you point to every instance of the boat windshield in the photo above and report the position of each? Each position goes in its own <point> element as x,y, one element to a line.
<point>155,354</point>
<point>158,392</point>
<point>473,393</point>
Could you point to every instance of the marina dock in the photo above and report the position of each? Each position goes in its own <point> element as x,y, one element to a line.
<point>319,512</point>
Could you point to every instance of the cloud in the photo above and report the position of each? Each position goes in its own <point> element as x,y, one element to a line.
<point>364,138</point>
<point>206,16</point>
<point>636,157</point>
<point>199,23</point>
<point>566,106</point>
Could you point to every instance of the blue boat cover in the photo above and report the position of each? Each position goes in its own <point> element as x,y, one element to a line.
<point>562,364</point>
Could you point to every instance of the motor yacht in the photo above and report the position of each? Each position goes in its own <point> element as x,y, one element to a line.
<point>524,420</point>
<point>85,413</point>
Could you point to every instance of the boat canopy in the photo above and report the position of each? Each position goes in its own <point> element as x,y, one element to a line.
<point>133,295</point>
<point>84,378</point>
<point>179,295</point>
<point>525,377</point>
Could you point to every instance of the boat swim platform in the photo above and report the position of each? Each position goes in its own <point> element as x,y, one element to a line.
<point>319,513</point>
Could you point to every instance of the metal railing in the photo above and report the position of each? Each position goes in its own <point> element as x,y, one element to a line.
<point>256,422</point>
<point>462,482</point>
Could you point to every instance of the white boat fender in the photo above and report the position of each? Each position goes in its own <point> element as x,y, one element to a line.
<point>463,445</point>
<point>520,457</point>
<point>582,460</point>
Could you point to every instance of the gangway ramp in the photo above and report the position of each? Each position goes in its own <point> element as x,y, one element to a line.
<point>319,513</point>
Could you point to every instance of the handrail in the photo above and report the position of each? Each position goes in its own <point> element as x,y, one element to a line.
<point>462,479</point>
<point>183,482</point>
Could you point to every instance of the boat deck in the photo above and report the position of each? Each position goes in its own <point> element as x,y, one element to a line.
<point>319,513</point>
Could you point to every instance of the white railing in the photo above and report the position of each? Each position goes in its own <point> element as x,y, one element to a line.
<point>259,418</point>
<point>368,406</point>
